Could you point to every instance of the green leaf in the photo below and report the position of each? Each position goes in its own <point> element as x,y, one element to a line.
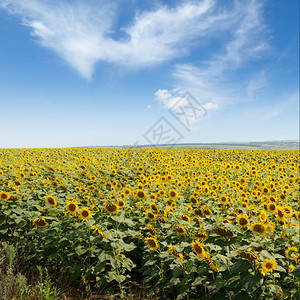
<point>280,269</point>
<point>296,271</point>
<point>177,271</point>
<point>240,266</point>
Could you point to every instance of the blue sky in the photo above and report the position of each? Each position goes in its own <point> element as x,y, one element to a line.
<point>93,72</point>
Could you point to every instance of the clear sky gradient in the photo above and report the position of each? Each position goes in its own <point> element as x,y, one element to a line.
<point>93,72</point>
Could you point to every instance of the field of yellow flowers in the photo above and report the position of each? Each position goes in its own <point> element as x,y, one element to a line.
<point>189,223</point>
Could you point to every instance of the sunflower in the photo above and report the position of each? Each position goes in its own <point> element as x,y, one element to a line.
<point>280,214</point>
<point>197,221</point>
<point>151,229</point>
<point>161,193</point>
<point>258,228</point>
<point>77,189</point>
<point>193,200</point>
<point>167,210</point>
<point>242,221</point>
<point>85,202</point>
<point>127,191</point>
<point>185,218</point>
<point>268,266</point>
<point>224,232</point>
<point>262,217</point>
<point>98,231</point>
<point>223,199</point>
<point>111,208</point>
<point>141,194</point>
<point>151,243</point>
<point>121,203</point>
<point>206,211</point>
<point>72,207</point>
<point>211,264</point>
<point>40,222</point>
<point>200,235</point>
<point>173,194</point>
<point>152,196</point>
<point>4,196</point>
<point>154,207</point>
<point>85,214</point>
<point>150,215</point>
<point>272,207</point>
<point>198,212</point>
<point>244,205</point>
<point>179,229</point>
<point>291,268</point>
<point>51,200</point>
<point>175,253</point>
<point>199,250</point>
<point>288,250</point>
<point>279,294</point>
<point>265,190</point>
<point>247,255</point>
<point>162,220</point>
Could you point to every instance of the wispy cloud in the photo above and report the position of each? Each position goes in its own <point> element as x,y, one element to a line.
<point>218,80</point>
<point>80,31</point>
<point>267,111</point>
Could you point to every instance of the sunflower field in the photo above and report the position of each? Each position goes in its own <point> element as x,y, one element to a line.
<point>187,223</point>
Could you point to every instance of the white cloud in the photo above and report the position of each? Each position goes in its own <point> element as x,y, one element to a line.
<point>256,83</point>
<point>80,31</point>
<point>217,81</point>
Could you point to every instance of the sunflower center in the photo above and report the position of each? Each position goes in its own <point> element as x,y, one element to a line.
<point>150,215</point>
<point>269,265</point>
<point>151,243</point>
<point>280,214</point>
<point>51,200</point>
<point>141,194</point>
<point>272,207</point>
<point>111,208</point>
<point>85,213</point>
<point>3,196</point>
<point>40,222</point>
<point>259,228</point>
<point>72,207</point>
<point>198,249</point>
<point>243,221</point>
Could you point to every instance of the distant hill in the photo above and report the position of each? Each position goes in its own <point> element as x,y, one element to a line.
<point>265,145</point>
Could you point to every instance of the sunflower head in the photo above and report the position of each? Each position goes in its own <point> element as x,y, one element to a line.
<point>111,208</point>
<point>151,243</point>
<point>198,249</point>
<point>200,236</point>
<point>179,229</point>
<point>85,214</point>
<point>175,253</point>
<point>121,203</point>
<point>4,196</point>
<point>51,200</point>
<point>248,255</point>
<point>258,228</point>
<point>72,207</point>
<point>290,250</point>
<point>224,232</point>
<point>141,194</point>
<point>272,207</point>
<point>193,200</point>
<point>268,266</point>
<point>40,222</point>
<point>151,229</point>
<point>242,221</point>
<point>150,215</point>
<point>173,194</point>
